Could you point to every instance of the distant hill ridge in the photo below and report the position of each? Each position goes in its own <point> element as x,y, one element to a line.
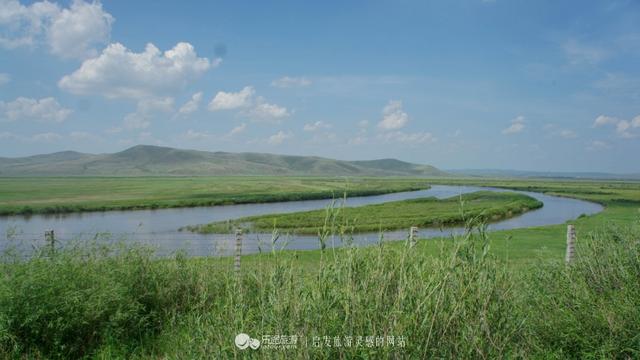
<point>148,160</point>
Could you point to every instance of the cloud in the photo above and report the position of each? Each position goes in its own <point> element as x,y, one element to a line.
<point>156,104</point>
<point>230,100</point>
<point>357,140</point>
<point>279,137</point>
<point>4,79</point>
<point>567,134</point>
<point>75,31</point>
<point>192,105</point>
<point>5,135</point>
<point>288,82</point>
<point>72,32</point>
<point>597,145</point>
<point>624,128</point>
<point>237,130</point>
<point>120,73</point>
<point>45,110</point>
<point>196,135</point>
<point>46,137</point>
<point>83,136</point>
<point>324,138</point>
<point>408,138</point>
<point>605,120</point>
<point>265,111</point>
<point>252,106</point>
<point>393,117</point>
<point>24,25</point>
<point>554,130</point>
<point>136,121</point>
<point>42,137</point>
<point>318,125</point>
<point>517,125</point>
<point>578,53</point>
<point>145,110</point>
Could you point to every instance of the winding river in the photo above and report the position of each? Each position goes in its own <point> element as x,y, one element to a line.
<point>158,228</point>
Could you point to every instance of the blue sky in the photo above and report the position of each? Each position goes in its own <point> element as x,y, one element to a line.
<point>530,85</point>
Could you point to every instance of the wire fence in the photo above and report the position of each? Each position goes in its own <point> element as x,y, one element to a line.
<point>167,243</point>
<point>232,244</point>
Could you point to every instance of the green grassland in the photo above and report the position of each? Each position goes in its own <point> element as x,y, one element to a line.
<point>450,298</point>
<point>503,294</point>
<point>76,194</point>
<point>425,212</point>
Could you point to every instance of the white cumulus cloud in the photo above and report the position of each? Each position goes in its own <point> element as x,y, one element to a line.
<point>192,105</point>
<point>230,100</point>
<point>393,116</point>
<point>238,129</point>
<point>279,137</point>
<point>72,32</point>
<point>408,138</point>
<point>121,73</point>
<point>145,110</point>
<point>318,125</point>
<point>517,125</point>
<point>46,110</point>
<point>624,128</point>
<point>75,31</point>
<point>255,107</point>
<point>22,25</point>
<point>266,111</point>
<point>604,120</point>
<point>136,121</point>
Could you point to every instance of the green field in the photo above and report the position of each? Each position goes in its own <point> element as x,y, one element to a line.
<point>425,212</point>
<point>76,194</point>
<point>503,294</point>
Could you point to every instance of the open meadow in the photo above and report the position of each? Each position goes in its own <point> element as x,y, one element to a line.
<point>481,294</point>
<point>47,195</point>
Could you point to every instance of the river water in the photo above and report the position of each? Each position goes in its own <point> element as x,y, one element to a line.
<point>159,228</point>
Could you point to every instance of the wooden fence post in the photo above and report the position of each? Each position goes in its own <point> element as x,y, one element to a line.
<point>238,250</point>
<point>50,238</point>
<point>413,236</point>
<point>571,244</point>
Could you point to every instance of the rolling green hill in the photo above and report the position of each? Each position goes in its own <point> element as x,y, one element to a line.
<point>146,160</point>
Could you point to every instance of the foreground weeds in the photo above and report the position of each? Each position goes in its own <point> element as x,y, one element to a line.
<point>122,302</point>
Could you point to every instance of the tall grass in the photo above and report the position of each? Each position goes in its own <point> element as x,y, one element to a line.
<point>461,303</point>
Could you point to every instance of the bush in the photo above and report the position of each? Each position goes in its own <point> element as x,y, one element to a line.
<point>67,304</point>
<point>591,308</point>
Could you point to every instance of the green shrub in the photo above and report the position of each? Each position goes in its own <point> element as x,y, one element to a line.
<point>66,304</point>
<point>590,308</point>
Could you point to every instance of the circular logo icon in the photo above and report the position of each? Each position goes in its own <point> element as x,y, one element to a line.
<point>243,341</point>
<point>254,344</point>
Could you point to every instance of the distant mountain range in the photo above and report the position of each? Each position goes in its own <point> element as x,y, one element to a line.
<point>499,173</point>
<point>157,161</point>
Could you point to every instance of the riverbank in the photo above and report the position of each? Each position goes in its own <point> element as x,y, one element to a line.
<point>437,299</point>
<point>47,195</point>
<point>425,212</point>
